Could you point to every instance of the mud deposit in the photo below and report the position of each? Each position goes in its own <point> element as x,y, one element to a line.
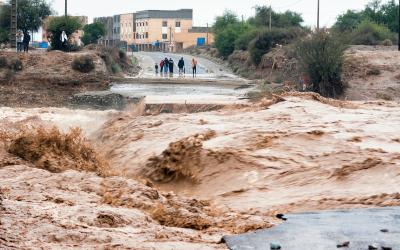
<point>182,181</point>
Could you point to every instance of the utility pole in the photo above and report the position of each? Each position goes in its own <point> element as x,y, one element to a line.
<point>66,8</point>
<point>207,34</point>
<point>318,17</point>
<point>270,17</point>
<point>14,23</point>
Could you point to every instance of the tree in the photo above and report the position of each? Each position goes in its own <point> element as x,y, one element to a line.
<point>222,22</point>
<point>5,22</point>
<point>93,32</point>
<point>348,21</point>
<point>321,57</point>
<point>279,20</point>
<point>383,14</point>
<point>59,24</point>
<point>31,14</point>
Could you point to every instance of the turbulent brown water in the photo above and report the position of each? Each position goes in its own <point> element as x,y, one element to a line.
<point>183,180</point>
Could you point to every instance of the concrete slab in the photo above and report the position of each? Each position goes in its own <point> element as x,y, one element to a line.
<point>325,230</point>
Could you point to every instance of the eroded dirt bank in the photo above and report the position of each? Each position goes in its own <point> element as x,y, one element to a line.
<point>181,181</point>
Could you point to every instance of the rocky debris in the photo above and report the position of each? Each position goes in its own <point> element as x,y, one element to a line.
<point>104,100</point>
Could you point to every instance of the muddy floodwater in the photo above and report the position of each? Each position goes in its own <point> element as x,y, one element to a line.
<point>184,93</point>
<point>182,181</point>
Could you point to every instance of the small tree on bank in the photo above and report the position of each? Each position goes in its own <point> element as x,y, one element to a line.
<point>59,24</point>
<point>31,14</point>
<point>321,57</point>
<point>93,32</point>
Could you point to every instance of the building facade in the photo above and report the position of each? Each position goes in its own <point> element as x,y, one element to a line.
<point>128,28</point>
<point>168,30</point>
<point>108,23</point>
<point>155,30</point>
<point>117,28</point>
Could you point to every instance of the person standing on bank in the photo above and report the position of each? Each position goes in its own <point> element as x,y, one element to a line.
<point>166,66</point>
<point>26,41</point>
<point>20,41</point>
<point>194,67</point>
<point>181,66</point>
<point>156,68</point>
<point>171,66</point>
<point>161,67</point>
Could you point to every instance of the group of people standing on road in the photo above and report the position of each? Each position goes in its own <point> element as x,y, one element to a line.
<point>23,41</point>
<point>167,66</point>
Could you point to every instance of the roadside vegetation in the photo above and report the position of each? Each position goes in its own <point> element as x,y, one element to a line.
<point>59,24</point>
<point>294,56</point>
<point>31,14</point>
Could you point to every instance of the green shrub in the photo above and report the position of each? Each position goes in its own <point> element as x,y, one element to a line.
<point>370,33</point>
<point>122,55</point>
<point>116,68</point>
<point>83,64</point>
<point>59,24</point>
<point>243,41</point>
<point>3,62</point>
<point>15,64</point>
<point>321,57</point>
<point>268,39</point>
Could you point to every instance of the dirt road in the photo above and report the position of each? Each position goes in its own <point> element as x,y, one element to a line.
<point>206,69</point>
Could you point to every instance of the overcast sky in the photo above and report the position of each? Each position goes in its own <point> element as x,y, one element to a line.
<point>205,11</point>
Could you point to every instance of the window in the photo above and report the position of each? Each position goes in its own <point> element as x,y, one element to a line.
<point>147,24</point>
<point>147,34</point>
<point>164,36</point>
<point>165,23</point>
<point>178,24</point>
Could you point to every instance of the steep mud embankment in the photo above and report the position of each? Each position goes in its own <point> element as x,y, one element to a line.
<point>182,181</point>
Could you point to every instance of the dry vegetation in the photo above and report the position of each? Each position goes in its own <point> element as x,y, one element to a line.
<point>54,151</point>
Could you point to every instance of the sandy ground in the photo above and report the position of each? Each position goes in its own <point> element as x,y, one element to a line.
<point>184,180</point>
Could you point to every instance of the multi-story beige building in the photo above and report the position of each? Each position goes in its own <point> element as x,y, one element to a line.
<point>166,30</point>
<point>127,28</point>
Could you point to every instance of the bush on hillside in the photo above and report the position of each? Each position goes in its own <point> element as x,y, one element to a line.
<point>387,42</point>
<point>15,64</point>
<point>243,41</point>
<point>268,39</point>
<point>83,64</point>
<point>116,60</point>
<point>370,33</point>
<point>321,57</point>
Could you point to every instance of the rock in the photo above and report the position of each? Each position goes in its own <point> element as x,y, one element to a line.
<point>344,244</point>
<point>385,230</point>
<point>275,246</point>
<point>281,217</point>
<point>386,248</point>
<point>373,247</point>
<point>103,100</point>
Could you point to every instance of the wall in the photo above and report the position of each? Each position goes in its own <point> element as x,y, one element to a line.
<point>128,28</point>
<point>190,39</point>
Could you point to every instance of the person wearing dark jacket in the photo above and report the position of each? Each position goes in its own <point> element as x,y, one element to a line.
<point>181,66</point>
<point>26,41</point>
<point>171,66</point>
